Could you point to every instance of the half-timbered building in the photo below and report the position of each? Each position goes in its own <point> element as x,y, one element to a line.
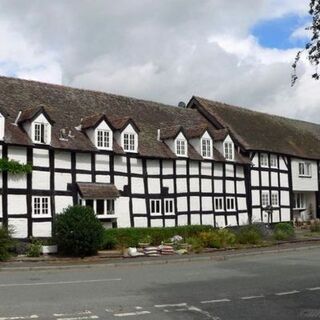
<point>144,164</point>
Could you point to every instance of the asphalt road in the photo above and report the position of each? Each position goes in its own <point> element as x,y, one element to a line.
<point>270,286</point>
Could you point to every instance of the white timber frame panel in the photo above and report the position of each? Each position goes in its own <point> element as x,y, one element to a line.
<point>270,186</point>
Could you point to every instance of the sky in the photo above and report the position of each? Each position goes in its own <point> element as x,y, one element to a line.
<point>236,51</point>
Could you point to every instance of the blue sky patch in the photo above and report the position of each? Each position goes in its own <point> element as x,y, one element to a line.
<point>276,33</point>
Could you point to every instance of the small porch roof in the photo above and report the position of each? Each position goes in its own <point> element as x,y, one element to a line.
<point>88,190</point>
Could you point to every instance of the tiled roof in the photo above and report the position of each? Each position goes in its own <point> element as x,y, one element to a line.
<point>67,106</point>
<point>97,190</point>
<point>261,131</point>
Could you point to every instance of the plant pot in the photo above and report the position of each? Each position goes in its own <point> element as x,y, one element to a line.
<point>143,244</point>
<point>49,249</point>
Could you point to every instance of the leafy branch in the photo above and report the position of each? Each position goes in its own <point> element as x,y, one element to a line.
<point>313,45</point>
<point>14,167</point>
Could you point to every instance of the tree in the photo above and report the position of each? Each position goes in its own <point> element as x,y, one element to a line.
<point>78,232</point>
<point>312,47</point>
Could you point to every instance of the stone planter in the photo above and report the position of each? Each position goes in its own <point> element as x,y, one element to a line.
<point>49,249</point>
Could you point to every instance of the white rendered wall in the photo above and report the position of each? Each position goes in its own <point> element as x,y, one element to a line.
<point>304,183</point>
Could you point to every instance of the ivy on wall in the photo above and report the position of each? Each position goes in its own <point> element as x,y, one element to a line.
<point>14,167</point>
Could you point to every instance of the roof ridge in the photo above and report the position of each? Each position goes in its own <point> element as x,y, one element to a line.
<point>62,86</point>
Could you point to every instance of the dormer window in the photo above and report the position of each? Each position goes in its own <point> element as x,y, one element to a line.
<point>181,149</point>
<point>40,132</point>
<point>99,131</point>
<point>228,150</point>
<point>206,148</point>
<point>37,123</point>
<point>129,142</point>
<point>103,139</point>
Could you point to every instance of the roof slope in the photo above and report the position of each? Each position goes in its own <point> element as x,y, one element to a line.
<point>261,131</point>
<point>66,106</point>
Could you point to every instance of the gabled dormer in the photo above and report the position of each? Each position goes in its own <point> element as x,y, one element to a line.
<point>228,148</point>
<point>99,131</point>
<point>126,134</point>
<point>37,123</point>
<point>201,139</point>
<point>224,144</point>
<point>175,138</point>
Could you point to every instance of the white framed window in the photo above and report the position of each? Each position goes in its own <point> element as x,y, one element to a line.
<point>129,142</point>
<point>110,206</point>
<point>305,169</point>
<point>274,198</point>
<point>273,161</point>
<point>181,148</point>
<point>103,139</point>
<point>168,206</point>
<point>40,132</point>
<point>230,203</point>
<point>206,148</point>
<point>218,204</point>
<point>264,161</point>
<point>299,201</point>
<point>265,201</point>
<point>228,150</point>
<point>100,206</point>
<point>40,206</point>
<point>155,206</point>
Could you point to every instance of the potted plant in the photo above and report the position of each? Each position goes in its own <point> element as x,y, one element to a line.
<point>145,241</point>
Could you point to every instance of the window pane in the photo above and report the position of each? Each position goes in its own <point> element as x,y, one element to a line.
<point>89,203</point>
<point>100,207</point>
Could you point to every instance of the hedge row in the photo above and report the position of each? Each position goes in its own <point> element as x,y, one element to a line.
<point>131,237</point>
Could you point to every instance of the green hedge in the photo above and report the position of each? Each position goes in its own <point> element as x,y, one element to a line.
<point>130,237</point>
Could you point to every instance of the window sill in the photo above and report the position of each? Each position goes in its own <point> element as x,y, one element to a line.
<point>130,151</point>
<point>41,216</point>
<point>304,176</point>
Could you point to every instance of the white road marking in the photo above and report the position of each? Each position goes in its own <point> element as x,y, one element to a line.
<point>79,318</point>
<point>205,313</point>
<point>81,313</point>
<point>313,289</point>
<point>252,297</point>
<point>183,304</point>
<point>34,316</point>
<point>216,301</point>
<point>56,283</point>
<point>130,314</point>
<point>287,293</point>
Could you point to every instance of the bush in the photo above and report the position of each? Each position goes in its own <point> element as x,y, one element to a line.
<point>78,232</point>
<point>6,243</point>
<point>315,226</point>
<point>250,234</point>
<point>131,237</point>
<point>34,249</point>
<point>196,244</point>
<point>221,238</point>
<point>283,231</point>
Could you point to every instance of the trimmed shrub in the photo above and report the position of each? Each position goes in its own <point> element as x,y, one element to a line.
<point>131,237</point>
<point>283,231</point>
<point>196,244</point>
<point>6,243</point>
<point>221,238</point>
<point>250,234</point>
<point>78,232</point>
<point>34,249</point>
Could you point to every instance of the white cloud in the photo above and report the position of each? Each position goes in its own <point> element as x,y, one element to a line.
<point>301,33</point>
<point>160,50</point>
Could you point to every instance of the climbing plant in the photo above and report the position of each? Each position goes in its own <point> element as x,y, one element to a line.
<point>14,167</point>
